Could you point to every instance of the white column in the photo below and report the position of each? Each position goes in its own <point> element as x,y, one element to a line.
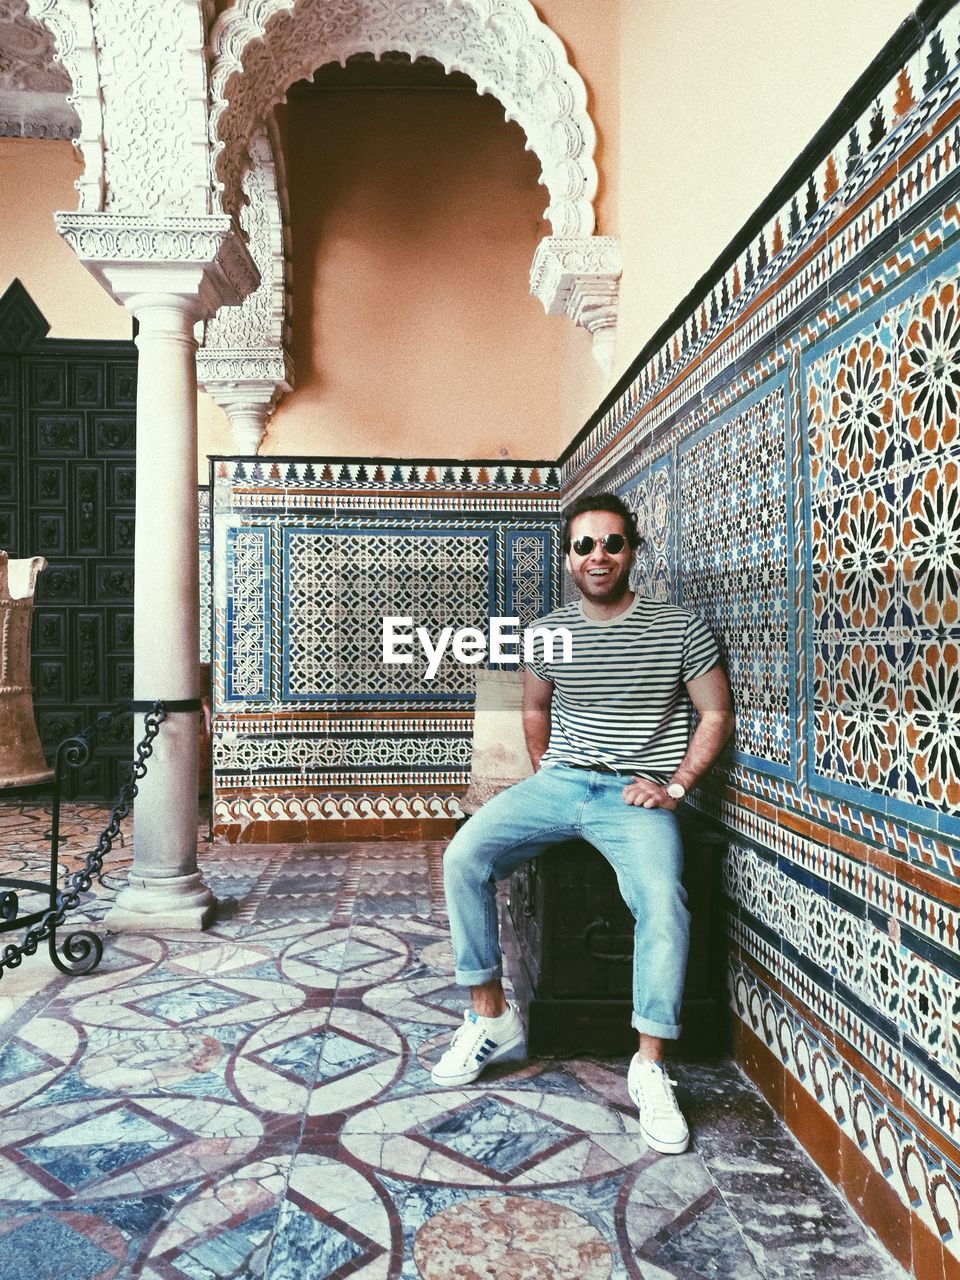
<point>164,886</point>
<point>170,272</point>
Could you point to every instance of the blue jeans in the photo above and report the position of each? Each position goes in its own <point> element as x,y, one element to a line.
<point>642,845</point>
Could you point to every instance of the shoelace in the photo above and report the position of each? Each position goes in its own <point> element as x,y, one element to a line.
<point>663,1103</point>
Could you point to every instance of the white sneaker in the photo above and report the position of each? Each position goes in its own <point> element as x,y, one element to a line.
<point>661,1120</point>
<point>477,1043</point>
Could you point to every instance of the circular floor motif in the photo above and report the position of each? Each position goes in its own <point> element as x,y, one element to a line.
<point>512,1238</point>
<point>431,999</point>
<point>203,1001</point>
<point>95,1150</point>
<point>275,1066</point>
<point>362,1055</point>
<point>334,1222</point>
<point>126,957</point>
<point>34,1056</point>
<point>234,1217</point>
<point>665,1200</point>
<point>145,1061</point>
<point>500,1137</point>
<point>344,959</point>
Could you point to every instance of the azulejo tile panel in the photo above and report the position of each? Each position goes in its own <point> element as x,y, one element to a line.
<point>339,586</point>
<point>651,497</point>
<point>310,723</point>
<point>206,603</point>
<point>918,1172</point>
<point>248,612</point>
<point>736,564</point>
<point>883,458</point>
<point>530,586</point>
<point>836,327</point>
<point>843,954</point>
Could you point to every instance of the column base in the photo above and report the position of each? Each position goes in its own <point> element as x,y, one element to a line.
<point>170,902</point>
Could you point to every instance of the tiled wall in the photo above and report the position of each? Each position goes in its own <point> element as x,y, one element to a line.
<point>792,447</point>
<point>313,735</point>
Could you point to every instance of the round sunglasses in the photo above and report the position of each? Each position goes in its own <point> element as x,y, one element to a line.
<point>612,543</point>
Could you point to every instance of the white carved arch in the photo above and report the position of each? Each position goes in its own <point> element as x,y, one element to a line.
<point>70,22</point>
<point>243,363</point>
<point>261,47</point>
<point>139,76</point>
<point>263,318</point>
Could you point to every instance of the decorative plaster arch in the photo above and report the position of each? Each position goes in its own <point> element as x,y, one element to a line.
<point>70,22</point>
<point>139,77</point>
<point>243,363</point>
<point>261,47</point>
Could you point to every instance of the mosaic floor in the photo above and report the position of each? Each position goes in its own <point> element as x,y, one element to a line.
<point>256,1101</point>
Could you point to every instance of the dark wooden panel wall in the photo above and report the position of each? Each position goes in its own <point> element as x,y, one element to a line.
<point>67,445</point>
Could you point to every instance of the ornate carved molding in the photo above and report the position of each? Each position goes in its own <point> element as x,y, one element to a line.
<point>153,83</point>
<point>202,256</point>
<point>261,47</point>
<point>579,277</point>
<point>70,22</point>
<point>260,320</point>
<point>243,365</point>
<point>246,385</point>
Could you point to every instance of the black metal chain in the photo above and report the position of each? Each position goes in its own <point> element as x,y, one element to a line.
<point>80,947</point>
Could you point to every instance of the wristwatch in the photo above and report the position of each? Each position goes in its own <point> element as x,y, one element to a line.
<point>676,790</point>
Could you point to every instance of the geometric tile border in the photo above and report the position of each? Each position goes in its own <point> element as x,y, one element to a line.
<point>310,726</point>
<point>832,328</point>
<point>917,1171</point>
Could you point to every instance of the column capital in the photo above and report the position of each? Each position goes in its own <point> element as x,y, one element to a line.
<point>227,369</point>
<point>246,383</point>
<point>198,258</point>
<point>579,277</point>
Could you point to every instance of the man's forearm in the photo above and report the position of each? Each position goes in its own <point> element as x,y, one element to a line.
<point>711,736</point>
<point>536,734</point>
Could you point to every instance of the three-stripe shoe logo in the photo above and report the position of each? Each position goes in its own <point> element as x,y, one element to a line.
<point>485,1050</point>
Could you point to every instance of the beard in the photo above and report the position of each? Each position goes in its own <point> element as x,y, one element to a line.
<point>603,588</point>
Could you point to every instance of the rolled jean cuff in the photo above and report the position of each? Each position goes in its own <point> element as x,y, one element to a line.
<point>477,977</point>
<point>662,1030</point>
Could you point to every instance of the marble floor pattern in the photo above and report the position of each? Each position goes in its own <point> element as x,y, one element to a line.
<point>256,1101</point>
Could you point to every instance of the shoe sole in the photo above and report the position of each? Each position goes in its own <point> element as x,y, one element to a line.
<point>664,1148</point>
<point>468,1077</point>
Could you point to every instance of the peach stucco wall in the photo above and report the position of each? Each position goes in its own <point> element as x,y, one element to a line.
<point>717,100</point>
<point>415,216</point>
<point>35,179</point>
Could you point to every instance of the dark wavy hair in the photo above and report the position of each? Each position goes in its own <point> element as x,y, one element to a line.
<point>602,502</point>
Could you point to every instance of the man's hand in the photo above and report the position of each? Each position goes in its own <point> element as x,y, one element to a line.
<point>648,795</point>
<point>710,694</point>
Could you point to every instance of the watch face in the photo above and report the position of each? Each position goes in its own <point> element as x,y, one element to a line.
<point>676,791</point>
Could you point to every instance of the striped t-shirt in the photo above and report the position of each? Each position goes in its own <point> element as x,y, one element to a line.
<point>621,702</point>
